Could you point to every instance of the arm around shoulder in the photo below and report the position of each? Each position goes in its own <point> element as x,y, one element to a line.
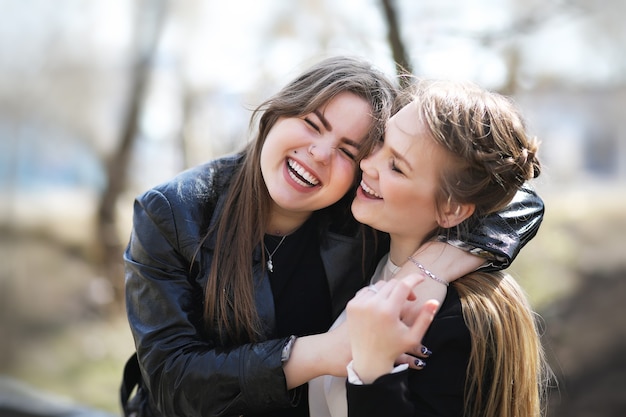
<point>500,236</point>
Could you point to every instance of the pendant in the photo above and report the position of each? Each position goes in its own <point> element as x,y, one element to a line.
<point>270,265</point>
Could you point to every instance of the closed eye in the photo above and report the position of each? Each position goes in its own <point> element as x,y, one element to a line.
<point>348,153</point>
<point>312,124</point>
<point>394,167</point>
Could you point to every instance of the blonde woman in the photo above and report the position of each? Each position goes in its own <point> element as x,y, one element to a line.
<point>454,154</point>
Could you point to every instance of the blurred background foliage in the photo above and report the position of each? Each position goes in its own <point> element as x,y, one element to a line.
<point>101,99</point>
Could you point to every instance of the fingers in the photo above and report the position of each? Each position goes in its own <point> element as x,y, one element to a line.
<point>424,351</point>
<point>371,289</point>
<point>394,288</point>
<point>420,351</point>
<point>412,280</point>
<point>424,318</point>
<point>412,361</point>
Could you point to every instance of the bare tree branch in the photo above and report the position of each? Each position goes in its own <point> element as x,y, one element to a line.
<point>117,167</point>
<point>400,57</point>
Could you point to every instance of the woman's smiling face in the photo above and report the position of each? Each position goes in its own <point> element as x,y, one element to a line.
<point>308,162</point>
<point>401,178</point>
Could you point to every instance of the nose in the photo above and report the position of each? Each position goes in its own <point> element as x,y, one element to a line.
<point>321,151</point>
<point>368,164</point>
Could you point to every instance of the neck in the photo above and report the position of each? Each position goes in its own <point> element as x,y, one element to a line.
<point>281,224</point>
<point>400,248</point>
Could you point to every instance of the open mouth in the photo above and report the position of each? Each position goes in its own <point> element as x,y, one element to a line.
<point>369,192</point>
<point>301,175</point>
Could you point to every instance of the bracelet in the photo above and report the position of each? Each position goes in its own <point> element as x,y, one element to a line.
<point>427,272</point>
<point>286,352</point>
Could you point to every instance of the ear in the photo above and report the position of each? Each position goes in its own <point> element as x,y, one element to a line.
<point>455,214</point>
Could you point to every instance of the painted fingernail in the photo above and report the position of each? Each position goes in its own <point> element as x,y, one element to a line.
<point>420,363</point>
<point>426,351</point>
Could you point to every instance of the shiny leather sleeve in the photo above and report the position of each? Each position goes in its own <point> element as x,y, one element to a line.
<point>185,373</point>
<point>500,236</point>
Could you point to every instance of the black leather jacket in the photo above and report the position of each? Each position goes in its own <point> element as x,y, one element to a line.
<point>184,371</point>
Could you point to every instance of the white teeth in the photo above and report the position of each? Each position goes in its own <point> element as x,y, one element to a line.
<point>369,191</point>
<point>298,180</point>
<point>306,175</point>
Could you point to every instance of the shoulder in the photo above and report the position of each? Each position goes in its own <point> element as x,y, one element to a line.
<point>184,205</point>
<point>201,182</point>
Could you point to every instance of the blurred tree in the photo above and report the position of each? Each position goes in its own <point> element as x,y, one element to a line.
<point>503,38</point>
<point>400,56</point>
<point>148,32</point>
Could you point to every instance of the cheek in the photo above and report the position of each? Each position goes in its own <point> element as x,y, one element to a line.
<point>271,150</point>
<point>269,143</point>
<point>276,135</point>
<point>408,203</point>
<point>346,176</point>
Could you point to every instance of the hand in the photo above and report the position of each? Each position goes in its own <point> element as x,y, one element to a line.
<point>426,290</point>
<point>377,333</point>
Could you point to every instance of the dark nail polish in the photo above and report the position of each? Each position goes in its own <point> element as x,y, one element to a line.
<point>420,363</point>
<point>426,351</point>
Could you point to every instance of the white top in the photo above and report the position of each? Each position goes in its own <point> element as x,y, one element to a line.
<point>327,394</point>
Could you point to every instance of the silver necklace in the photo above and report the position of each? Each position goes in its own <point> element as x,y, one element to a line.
<point>270,264</point>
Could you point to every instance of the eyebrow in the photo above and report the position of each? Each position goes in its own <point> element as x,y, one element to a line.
<point>323,119</point>
<point>328,127</point>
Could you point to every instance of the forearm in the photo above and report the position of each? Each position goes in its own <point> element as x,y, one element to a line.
<point>316,355</point>
<point>444,261</point>
<point>302,365</point>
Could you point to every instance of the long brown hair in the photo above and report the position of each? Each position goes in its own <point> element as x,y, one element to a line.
<point>492,157</point>
<point>229,299</point>
<point>507,375</point>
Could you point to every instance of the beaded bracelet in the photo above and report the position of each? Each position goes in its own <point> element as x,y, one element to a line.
<point>427,272</point>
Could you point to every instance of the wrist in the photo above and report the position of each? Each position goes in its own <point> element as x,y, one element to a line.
<point>320,354</point>
<point>369,370</point>
<point>306,360</point>
<point>445,261</point>
<point>427,273</point>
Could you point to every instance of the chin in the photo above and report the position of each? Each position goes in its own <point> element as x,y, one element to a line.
<point>361,215</point>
